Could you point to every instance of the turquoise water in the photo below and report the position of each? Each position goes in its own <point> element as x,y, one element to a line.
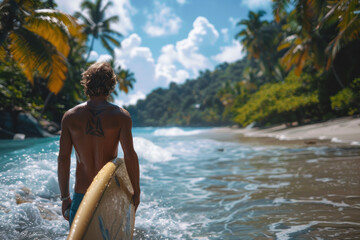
<point>195,187</point>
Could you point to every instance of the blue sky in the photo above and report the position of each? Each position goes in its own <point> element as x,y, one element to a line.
<point>172,40</point>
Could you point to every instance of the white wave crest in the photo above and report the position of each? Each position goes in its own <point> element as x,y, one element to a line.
<point>290,233</point>
<point>169,132</point>
<point>150,151</point>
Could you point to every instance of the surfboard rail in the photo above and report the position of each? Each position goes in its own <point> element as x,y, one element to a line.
<point>112,174</point>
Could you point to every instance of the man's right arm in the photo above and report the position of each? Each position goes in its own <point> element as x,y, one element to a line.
<point>64,164</point>
<point>131,158</point>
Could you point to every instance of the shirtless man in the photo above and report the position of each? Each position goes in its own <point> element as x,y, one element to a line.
<point>94,128</point>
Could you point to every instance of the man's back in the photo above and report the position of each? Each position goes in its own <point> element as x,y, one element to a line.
<point>94,128</point>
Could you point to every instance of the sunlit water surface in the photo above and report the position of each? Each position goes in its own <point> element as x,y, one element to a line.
<point>194,187</point>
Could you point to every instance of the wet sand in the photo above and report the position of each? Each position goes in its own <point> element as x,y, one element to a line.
<point>306,181</point>
<point>339,132</point>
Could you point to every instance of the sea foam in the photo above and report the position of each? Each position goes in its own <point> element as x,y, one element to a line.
<point>175,132</point>
<point>146,149</point>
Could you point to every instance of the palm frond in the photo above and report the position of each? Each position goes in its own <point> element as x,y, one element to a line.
<point>35,55</point>
<point>3,54</point>
<point>73,26</point>
<point>106,45</point>
<point>303,56</point>
<point>108,4</point>
<point>28,50</point>
<point>108,30</point>
<point>113,40</point>
<point>27,5</point>
<point>58,73</point>
<point>345,13</point>
<point>287,42</point>
<point>88,21</point>
<point>112,19</point>
<point>87,4</point>
<point>51,30</point>
<point>279,8</point>
<point>97,14</point>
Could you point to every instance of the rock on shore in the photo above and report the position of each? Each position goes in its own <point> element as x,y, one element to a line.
<point>20,125</point>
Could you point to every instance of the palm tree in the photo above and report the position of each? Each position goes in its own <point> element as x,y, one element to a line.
<point>97,25</point>
<point>261,39</point>
<point>346,14</point>
<point>125,78</point>
<point>37,39</point>
<point>301,41</point>
<point>250,35</point>
<point>313,18</point>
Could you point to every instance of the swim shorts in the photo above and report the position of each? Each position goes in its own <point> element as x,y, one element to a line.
<point>77,198</point>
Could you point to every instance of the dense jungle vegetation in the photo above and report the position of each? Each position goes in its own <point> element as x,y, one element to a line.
<point>43,52</point>
<point>302,66</point>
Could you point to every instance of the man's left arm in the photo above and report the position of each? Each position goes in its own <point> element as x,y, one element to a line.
<point>131,158</point>
<point>64,159</point>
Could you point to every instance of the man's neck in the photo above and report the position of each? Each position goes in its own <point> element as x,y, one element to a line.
<point>97,101</point>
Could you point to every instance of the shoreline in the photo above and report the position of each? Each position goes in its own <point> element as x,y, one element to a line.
<point>339,132</point>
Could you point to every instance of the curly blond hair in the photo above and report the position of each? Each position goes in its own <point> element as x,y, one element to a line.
<point>99,79</point>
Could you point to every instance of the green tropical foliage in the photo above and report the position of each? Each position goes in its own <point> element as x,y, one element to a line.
<point>347,101</point>
<point>314,69</point>
<point>288,101</point>
<point>41,59</point>
<point>193,103</point>
<point>301,66</point>
<point>37,39</point>
<point>253,35</point>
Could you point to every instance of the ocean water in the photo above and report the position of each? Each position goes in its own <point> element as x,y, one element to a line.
<point>197,187</point>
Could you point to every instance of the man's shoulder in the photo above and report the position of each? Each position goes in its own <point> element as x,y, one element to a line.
<point>121,111</point>
<point>73,111</point>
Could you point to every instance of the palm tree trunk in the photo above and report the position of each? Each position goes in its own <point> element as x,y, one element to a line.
<point>337,76</point>
<point>90,49</point>
<point>8,21</point>
<point>47,100</point>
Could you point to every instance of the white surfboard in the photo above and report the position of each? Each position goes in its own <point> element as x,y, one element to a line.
<point>107,210</point>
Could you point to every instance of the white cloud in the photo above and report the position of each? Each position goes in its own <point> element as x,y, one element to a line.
<point>230,53</point>
<point>165,68</point>
<point>93,55</point>
<point>136,96</point>
<point>69,6</point>
<point>225,33</point>
<point>181,1</point>
<point>170,73</point>
<point>124,10</point>
<point>121,8</point>
<point>186,53</point>
<point>257,4</point>
<point>139,60</point>
<point>104,58</point>
<point>130,99</point>
<point>162,22</point>
<point>202,34</point>
<point>176,63</point>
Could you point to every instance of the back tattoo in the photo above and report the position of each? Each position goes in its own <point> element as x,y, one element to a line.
<point>93,125</point>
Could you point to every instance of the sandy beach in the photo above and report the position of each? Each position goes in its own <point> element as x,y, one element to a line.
<point>344,131</point>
